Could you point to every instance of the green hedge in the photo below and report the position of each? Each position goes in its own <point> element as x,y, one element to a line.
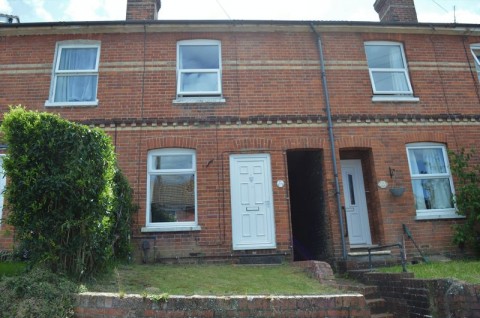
<point>467,197</point>
<point>70,205</point>
<point>36,294</point>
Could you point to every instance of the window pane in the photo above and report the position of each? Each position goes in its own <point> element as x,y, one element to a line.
<point>76,88</point>
<point>172,198</point>
<point>166,162</point>
<point>476,53</point>
<point>427,161</point>
<point>199,57</point>
<point>352,193</point>
<point>78,59</point>
<point>390,81</point>
<point>199,82</point>
<point>432,194</point>
<point>384,56</point>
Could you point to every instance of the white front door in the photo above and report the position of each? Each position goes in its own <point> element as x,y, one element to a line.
<point>253,224</point>
<point>355,203</point>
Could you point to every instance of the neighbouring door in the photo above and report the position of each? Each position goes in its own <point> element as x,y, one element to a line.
<point>252,207</point>
<point>355,203</point>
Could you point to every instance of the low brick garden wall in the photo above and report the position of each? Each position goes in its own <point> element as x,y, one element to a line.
<point>412,297</point>
<point>103,305</point>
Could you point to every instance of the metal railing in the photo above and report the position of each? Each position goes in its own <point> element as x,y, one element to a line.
<point>402,254</point>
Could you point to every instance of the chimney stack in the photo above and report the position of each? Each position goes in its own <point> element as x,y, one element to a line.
<point>143,9</point>
<point>7,18</point>
<point>402,11</point>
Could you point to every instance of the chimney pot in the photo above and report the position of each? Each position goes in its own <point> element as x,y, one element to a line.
<point>143,9</point>
<point>402,11</point>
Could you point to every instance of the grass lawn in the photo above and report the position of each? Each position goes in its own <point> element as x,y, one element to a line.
<point>467,271</point>
<point>11,268</point>
<point>210,280</point>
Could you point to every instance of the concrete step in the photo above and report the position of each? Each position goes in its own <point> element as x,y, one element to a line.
<point>362,262</point>
<point>364,252</point>
<point>384,315</point>
<point>357,274</point>
<point>355,286</point>
<point>369,292</point>
<point>377,305</point>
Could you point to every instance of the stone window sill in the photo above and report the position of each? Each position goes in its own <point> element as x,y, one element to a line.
<point>395,99</point>
<point>149,229</point>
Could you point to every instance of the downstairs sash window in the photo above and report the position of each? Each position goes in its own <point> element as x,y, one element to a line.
<point>431,180</point>
<point>171,198</point>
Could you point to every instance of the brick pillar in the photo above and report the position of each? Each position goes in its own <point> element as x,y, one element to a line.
<point>396,11</point>
<point>143,9</point>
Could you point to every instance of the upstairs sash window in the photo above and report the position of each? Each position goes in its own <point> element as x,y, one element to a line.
<point>199,68</point>
<point>476,56</point>
<point>75,74</point>
<point>388,68</point>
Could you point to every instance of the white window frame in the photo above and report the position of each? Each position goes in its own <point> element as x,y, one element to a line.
<point>80,44</point>
<point>404,70</point>
<point>433,213</point>
<point>199,94</point>
<point>3,184</point>
<point>170,226</point>
<point>476,48</point>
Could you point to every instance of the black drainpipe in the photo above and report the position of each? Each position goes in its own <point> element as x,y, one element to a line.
<point>331,138</point>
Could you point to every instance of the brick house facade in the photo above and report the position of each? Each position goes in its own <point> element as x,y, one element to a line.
<point>236,118</point>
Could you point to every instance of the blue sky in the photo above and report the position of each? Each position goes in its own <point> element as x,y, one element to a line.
<point>466,11</point>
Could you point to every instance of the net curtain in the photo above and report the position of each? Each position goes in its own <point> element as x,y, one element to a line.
<point>72,85</point>
<point>430,193</point>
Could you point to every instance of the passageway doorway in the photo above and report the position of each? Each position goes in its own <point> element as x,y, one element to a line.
<point>307,204</point>
<point>360,198</point>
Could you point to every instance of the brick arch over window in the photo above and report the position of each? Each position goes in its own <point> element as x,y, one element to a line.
<point>396,37</point>
<point>355,142</point>
<point>426,137</point>
<point>172,142</point>
<point>304,143</point>
<point>252,143</point>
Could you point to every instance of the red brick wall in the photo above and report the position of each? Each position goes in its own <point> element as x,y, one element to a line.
<point>90,305</point>
<point>6,237</point>
<point>412,297</point>
<point>274,102</point>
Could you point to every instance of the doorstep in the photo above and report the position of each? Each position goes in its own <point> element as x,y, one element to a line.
<point>365,253</point>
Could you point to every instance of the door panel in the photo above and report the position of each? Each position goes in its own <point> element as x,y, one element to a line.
<point>355,203</point>
<point>252,211</point>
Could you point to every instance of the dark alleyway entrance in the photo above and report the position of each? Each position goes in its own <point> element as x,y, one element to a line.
<point>307,203</point>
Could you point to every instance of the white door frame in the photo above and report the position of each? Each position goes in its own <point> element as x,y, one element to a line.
<point>253,223</point>
<point>355,201</point>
